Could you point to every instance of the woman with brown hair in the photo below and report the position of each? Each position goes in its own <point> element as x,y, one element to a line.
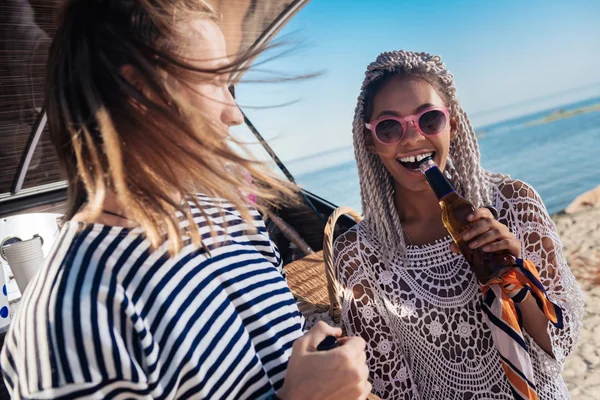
<point>153,291</point>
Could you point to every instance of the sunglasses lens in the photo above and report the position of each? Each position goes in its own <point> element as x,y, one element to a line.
<point>432,122</point>
<point>389,131</point>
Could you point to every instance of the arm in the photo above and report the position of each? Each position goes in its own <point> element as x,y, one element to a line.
<point>535,324</point>
<point>525,230</point>
<point>337,374</point>
<point>364,316</point>
<point>36,367</point>
<point>541,245</point>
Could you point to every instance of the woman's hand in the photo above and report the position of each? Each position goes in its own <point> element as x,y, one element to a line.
<point>337,374</point>
<point>489,234</point>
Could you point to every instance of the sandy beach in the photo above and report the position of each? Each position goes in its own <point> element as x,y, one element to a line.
<point>580,235</point>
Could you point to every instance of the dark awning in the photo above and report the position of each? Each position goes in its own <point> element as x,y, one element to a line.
<point>28,165</point>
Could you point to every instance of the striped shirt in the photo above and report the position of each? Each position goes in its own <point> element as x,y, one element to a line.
<point>108,318</point>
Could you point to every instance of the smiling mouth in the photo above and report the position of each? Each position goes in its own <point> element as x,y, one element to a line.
<point>411,163</point>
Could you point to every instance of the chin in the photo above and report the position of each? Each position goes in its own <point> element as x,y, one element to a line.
<point>410,181</point>
<point>416,186</point>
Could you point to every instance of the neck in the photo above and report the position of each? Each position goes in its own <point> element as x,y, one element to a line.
<point>416,206</point>
<point>113,212</point>
<point>112,205</point>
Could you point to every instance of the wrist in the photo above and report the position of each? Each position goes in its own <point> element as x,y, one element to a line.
<point>281,394</point>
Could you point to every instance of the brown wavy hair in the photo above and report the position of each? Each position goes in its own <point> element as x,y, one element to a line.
<point>143,145</point>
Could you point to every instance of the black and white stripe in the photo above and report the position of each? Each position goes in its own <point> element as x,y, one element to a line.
<point>108,318</point>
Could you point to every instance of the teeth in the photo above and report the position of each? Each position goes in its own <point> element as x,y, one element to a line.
<point>415,158</point>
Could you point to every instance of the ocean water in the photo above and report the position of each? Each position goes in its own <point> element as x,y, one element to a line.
<point>560,159</point>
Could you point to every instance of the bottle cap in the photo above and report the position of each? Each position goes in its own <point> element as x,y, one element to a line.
<point>426,164</point>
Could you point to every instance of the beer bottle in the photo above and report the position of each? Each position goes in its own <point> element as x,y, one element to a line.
<point>455,211</point>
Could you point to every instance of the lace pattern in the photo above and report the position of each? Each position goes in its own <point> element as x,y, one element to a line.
<point>421,316</point>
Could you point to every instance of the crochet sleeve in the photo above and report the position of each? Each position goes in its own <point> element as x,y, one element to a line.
<point>524,211</point>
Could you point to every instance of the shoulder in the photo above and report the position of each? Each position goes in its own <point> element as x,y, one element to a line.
<point>232,229</point>
<point>522,209</point>
<point>346,254</point>
<point>64,311</point>
<point>519,197</point>
<point>78,270</point>
<point>517,190</point>
<point>74,259</point>
<point>222,213</point>
<point>346,241</point>
<point>361,238</point>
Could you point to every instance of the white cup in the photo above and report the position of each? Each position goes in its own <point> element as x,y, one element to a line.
<point>25,259</point>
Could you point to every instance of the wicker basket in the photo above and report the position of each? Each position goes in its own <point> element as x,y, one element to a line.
<point>313,280</point>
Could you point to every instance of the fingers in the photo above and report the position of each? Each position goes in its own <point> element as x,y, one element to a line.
<point>368,388</point>
<point>344,339</point>
<point>491,236</point>
<point>362,387</point>
<point>318,333</point>
<point>362,355</point>
<point>454,248</point>
<point>478,227</point>
<point>513,246</point>
<point>361,378</point>
<point>354,345</point>
<point>362,358</point>
<point>480,213</point>
<point>363,371</point>
<point>353,359</point>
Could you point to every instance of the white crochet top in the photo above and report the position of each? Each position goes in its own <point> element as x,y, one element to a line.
<point>421,315</point>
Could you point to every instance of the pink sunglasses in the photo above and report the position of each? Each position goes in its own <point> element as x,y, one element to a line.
<point>429,122</point>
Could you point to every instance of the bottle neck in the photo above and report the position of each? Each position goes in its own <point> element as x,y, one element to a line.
<point>440,185</point>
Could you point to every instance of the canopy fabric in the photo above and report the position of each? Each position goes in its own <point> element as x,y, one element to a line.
<point>28,164</point>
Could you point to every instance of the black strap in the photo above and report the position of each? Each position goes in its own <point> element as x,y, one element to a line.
<point>114,214</point>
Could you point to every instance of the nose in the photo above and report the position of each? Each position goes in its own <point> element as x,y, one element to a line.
<point>412,136</point>
<point>231,115</point>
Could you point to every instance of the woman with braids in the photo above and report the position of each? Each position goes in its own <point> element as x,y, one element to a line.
<point>408,291</point>
<point>151,290</point>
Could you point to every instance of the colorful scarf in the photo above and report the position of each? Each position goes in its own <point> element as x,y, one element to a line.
<point>504,319</point>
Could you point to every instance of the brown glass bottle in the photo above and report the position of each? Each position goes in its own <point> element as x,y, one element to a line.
<point>455,211</point>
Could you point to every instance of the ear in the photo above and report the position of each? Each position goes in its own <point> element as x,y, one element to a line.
<point>135,80</point>
<point>453,128</point>
<point>370,143</point>
<point>132,77</point>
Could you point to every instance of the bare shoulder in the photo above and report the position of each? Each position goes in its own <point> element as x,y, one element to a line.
<point>514,189</point>
<point>522,201</point>
<point>346,240</point>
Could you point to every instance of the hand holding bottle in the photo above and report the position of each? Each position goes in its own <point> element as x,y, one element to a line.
<point>461,217</point>
<point>488,234</point>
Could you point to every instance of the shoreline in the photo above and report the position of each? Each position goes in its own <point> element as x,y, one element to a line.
<point>580,236</point>
<point>564,114</point>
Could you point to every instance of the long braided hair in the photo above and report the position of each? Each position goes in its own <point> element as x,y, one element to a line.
<point>376,183</point>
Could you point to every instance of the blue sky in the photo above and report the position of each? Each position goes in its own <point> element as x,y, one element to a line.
<point>509,58</point>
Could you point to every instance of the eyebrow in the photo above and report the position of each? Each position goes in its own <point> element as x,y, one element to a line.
<point>397,114</point>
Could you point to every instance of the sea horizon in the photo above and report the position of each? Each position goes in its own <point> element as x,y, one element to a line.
<point>332,173</point>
